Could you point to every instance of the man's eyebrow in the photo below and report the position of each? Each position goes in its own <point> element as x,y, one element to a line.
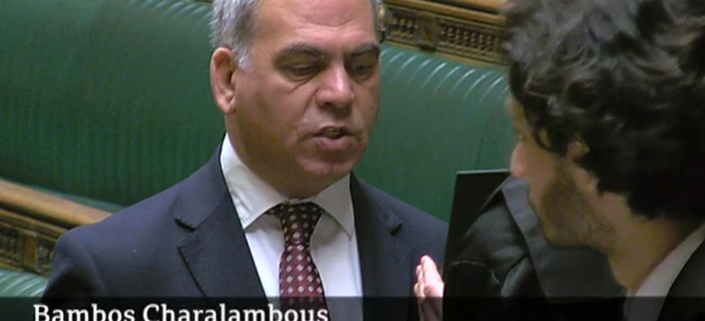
<point>368,48</point>
<point>298,49</point>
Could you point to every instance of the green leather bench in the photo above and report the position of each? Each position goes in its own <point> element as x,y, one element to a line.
<point>106,102</point>
<point>20,284</point>
<point>109,102</point>
<point>18,292</point>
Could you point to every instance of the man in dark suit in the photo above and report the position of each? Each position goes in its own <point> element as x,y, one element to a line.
<point>276,212</point>
<point>608,101</point>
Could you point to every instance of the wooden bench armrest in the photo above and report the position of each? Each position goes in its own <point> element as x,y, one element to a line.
<point>488,5</point>
<point>47,208</point>
<point>32,221</point>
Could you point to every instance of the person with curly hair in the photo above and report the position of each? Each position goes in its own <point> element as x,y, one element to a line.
<point>608,101</point>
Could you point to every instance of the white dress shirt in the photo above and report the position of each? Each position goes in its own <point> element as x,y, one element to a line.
<point>333,242</point>
<point>657,285</point>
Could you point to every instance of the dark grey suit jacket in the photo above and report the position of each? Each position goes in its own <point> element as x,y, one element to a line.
<point>686,298</point>
<point>506,267</point>
<point>187,241</point>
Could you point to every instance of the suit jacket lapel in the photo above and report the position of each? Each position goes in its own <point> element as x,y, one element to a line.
<point>385,262</point>
<point>219,259</point>
<point>685,298</point>
<point>216,252</point>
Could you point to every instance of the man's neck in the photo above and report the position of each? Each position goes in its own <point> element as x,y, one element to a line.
<point>641,245</point>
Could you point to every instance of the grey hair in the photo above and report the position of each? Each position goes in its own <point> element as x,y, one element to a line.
<point>232,25</point>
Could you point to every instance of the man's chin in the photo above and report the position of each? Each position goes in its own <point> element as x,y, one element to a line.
<point>552,239</point>
<point>327,171</point>
<point>557,238</point>
<point>333,164</point>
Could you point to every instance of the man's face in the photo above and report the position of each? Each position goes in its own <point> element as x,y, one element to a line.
<point>307,102</point>
<point>563,206</point>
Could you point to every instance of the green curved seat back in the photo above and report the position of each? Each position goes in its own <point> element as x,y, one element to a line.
<point>19,291</point>
<point>110,100</point>
<point>437,117</point>
<point>20,284</point>
<point>121,111</point>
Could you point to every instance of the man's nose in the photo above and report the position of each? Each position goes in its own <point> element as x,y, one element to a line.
<point>336,89</point>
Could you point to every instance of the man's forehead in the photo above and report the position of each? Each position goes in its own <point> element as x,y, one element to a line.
<point>295,23</point>
<point>326,13</point>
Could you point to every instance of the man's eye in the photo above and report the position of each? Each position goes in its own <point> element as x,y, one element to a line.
<point>361,70</point>
<point>302,70</point>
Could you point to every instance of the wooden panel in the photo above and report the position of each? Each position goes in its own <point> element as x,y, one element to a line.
<point>485,5</point>
<point>30,224</point>
<point>449,31</point>
<point>25,243</point>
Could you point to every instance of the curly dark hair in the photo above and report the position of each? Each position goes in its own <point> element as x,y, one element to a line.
<point>626,78</point>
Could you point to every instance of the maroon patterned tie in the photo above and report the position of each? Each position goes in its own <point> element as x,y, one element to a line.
<point>300,285</point>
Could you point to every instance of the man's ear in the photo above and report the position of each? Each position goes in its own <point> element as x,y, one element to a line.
<point>222,69</point>
<point>576,150</point>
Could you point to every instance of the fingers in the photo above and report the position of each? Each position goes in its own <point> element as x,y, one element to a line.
<point>429,278</point>
<point>429,289</point>
<point>419,285</point>
<point>420,295</point>
<point>430,270</point>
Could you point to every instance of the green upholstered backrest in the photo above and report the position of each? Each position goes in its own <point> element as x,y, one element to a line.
<point>105,99</point>
<point>19,291</point>
<point>21,284</point>
<point>110,100</point>
<point>437,117</point>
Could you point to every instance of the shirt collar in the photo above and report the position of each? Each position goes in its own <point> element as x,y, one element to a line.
<point>253,196</point>
<point>659,281</point>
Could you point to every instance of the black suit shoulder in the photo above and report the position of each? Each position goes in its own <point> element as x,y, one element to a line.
<point>133,227</point>
<point>131,245</point>
<point>424,228</point>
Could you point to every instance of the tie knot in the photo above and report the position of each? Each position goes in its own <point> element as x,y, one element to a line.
<point>298,221</point>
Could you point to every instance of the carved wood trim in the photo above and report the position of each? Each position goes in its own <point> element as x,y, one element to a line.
<point>449,31</point>
<point>31,222</point>
<point>485,5</point>
<point>26,244</point>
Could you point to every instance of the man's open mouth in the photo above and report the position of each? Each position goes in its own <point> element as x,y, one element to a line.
<point>333,132</point>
